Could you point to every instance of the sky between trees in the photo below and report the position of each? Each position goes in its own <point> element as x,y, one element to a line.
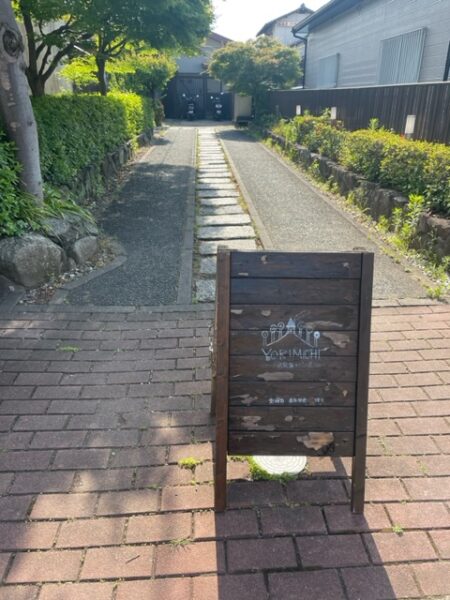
<point>242,19</point>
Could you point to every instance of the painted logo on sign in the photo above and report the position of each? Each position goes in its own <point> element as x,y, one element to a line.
<point>305,342</point>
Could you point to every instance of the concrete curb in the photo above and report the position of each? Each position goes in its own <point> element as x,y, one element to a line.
<point>62,293</point>
<point>94,308</point>
<point>187,253</point>
<point>414,271</point>
<point>261,229</point>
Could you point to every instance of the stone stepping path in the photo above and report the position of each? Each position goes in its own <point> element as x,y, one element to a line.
<point>221,220</point>
<point>221,210</point>
<point>212,220</point>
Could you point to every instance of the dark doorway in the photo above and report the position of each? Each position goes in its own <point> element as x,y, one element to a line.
<point>199,87</point>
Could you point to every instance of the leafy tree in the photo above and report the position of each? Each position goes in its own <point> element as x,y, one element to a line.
<point>15,106</point>
<point>143,71</point>
<point>58,29</point>
<point>255,67</point>
<point>150,71</point>
<point>54,30</point>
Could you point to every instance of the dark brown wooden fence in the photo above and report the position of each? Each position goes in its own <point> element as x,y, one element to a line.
<point>390,104</point>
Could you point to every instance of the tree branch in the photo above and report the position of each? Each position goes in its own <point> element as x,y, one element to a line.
<point>55,61</point>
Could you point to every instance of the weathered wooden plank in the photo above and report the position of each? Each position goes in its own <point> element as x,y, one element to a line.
<point>330,343</point>
<point>257,368</point>
<point>222,378</point>
<point>294,291</point>
<point>291,393</point>
<point>293,418</point>
<point>362,386</point>
<point>298,265</point>
<point>305,443</point>
<point>327,318</point>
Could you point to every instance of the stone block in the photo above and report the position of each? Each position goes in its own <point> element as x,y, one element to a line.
<point>221,210</point>
<point>84,249</point>
<point>226,232</point>
<point>219,202</point>
<point>220,220</point>
<point>31,260</point>
<point>208,266</point>
<point>205,290</point>
<point>217,194</point>
<point>67,230</point>
<point>210,248</point>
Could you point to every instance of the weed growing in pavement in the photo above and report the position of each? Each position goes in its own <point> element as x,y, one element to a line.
<point>179,542</point>
<point>398,529</point>
<point>68,349</point>
<point>235,458</point>
<point>189,463</point>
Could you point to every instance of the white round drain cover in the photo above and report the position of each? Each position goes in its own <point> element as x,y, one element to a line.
<point>277,465</point>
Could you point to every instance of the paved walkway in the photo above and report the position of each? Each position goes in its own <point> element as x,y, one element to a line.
<point>297,217</point>
<point>149,219</point>
<point>221,220</point>
<point>98,406</point>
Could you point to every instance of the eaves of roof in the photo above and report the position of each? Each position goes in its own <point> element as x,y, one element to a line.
<point>302,10</point>
<point>329,11</point>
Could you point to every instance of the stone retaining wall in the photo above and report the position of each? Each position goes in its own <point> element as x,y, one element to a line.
<point>433,232</point>
<point>36,258</point>
<point>91,180</point>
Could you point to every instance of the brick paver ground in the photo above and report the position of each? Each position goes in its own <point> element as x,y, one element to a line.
<point>97,408</point>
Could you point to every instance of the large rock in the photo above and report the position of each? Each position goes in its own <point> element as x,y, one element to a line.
<point>31,259</point>
<point>68,229</point>
<point>434,231</point>
<point>83,250</point>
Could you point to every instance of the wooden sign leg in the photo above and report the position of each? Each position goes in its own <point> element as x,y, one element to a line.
<point>220,391</point>
<point>362,385</point>
<point>220,479</point>
<point>358,479</point>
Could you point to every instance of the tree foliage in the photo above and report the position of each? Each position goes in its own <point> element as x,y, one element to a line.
<point>255,67</point>
<point>143,70</point>
<point>58,29</point>
<point>16,111</point>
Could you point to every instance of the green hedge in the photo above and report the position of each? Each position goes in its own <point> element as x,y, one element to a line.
<point>79,130</point>
<point>74,131</point>
<point>411,167</point>
<point>11,218</point>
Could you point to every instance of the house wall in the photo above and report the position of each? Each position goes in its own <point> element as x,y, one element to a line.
<point>197,64</point>
<point>282,29</point>
<point>357,37</point>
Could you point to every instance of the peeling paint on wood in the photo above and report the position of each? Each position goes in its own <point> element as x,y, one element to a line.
<point>316,440</point>
<point>276,376</point>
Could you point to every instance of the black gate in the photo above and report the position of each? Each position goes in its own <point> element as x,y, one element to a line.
<point>202,89</point>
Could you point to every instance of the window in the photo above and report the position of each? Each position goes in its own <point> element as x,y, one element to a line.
<point>447,65</point>
<point>401,57</point>
<point>328,71</point>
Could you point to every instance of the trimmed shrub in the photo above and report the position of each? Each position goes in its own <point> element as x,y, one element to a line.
<point>318,134</point>
<point>12,221</point>
<point>363,152</point>
<point>410,167</point>
<point>76,131</point>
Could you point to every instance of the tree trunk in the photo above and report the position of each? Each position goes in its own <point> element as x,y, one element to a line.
<point>36,83</point>
<point>101,75</point>
<point>15,104</point>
